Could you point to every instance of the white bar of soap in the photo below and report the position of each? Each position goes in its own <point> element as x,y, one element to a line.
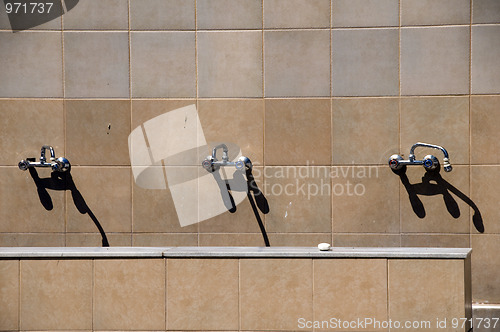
<point>324,246</point>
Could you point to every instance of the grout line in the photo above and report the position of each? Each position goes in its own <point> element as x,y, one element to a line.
<point>399,127</point>
<point>165,293</point>
<point>131,175</point>
<point>470,121</point>
<point>93,293</point>
<point>197,83</point>
<point>239,294</point>
<point>19,312</point>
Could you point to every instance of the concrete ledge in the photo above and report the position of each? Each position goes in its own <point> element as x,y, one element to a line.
<point>243,252</point>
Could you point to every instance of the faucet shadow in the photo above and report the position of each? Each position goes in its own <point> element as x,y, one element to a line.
<point>255,196</point>
<point>64,181</point>
<point>433,184</point>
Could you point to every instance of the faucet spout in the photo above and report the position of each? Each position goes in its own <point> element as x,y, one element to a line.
<point>224,148</point>
<point>42,153</point>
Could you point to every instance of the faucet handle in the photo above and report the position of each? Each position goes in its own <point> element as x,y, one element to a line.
<point>446,165</point>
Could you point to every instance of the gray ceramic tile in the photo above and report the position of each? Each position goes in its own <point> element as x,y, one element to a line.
<point>96,64</point>
<point>229,14</point>
<point>365,62</point>
<point>31,64</point>
<point>297,63</point>
<point>230,64</point>
<point>365,13</point>
<point>169,71</point>
<point>296,14</point>
<point>435,12</point>
<point>49,17</point>
<point>162,15</point>
<point>485,11</point>
<point>485,75</point>
<point>97,15</point>
<point>435,60</point>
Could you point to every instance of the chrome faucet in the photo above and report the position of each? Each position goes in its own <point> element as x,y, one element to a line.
<point>60,164</point>
<point>430,162</point>
<point>211,163</point>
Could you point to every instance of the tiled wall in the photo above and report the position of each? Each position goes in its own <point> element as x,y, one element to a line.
<point>228,294</point>
<point>325,88</point>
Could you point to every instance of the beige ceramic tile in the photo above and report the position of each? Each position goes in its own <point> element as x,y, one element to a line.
<point>230,64</point>
<point>129,294</point>
<point>435,240</point>
<point>297,132</point>
<point>162,15</point>
<point>485,138</point>
<point>484,193</point>
<point>99,195</point>
<point>485,266</point>
<point>366,240</point>
<point>9,288</point>
<point>55,294</point>
<point>298,239</point>
<point>359,287</point>
<point>202,294</point>
<point>169,71</point>
<point>97,240</point>
<point>96,64</point>
<point>445,70</point>
<point>485,70</point>
<point>365,130</point>
<point>299,199</point>
<point>296,14</point>
<point>32,239</point>
<point>360,203</point>
<point>154,211</point>
<point>26,209</point>
<point>274,293</point>
<point>365,13</point>
<point>231,239</point>
<point>178,150</point>
<point>144,110</point>
<point>418,291</point>
<point>432,12</point>
<point>229,14</point>
<point>25,76</point>
<point>435,204</point>
<point>164,240</point>
<point>365,62</point>
<point>26,20</point>
<point>442,121</point>
<point>20,123</point>
<point>97,132</point>
<point>97,15</point>
<point>297,63</point>
<point>235,121</point>
<point>243,220</point>
<point>485,11</point>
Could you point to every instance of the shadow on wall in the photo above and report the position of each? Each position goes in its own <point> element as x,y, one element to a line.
<point>433,184</point>
<point>255,196</point>
<point>64,181</point>
<point>25,15</point>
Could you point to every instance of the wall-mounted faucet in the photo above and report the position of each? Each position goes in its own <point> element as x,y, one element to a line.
<point>60,164</point>
<point>430,162</point>
<point>211,163</point>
